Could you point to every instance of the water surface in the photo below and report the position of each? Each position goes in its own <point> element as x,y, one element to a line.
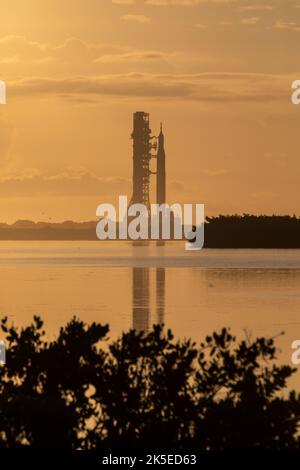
<point>254,292</point>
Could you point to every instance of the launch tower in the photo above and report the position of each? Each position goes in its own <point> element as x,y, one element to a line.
<point>143,145</point>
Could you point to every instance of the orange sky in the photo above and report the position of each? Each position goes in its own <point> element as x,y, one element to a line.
<point>218,73</point>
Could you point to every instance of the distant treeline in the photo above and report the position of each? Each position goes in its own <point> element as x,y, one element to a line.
<point>252,231</point>
<point>223,231</point>
<point>29,230</point>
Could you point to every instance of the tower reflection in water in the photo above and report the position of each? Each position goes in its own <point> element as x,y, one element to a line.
<point>141,309</point>
<point>160,294</point>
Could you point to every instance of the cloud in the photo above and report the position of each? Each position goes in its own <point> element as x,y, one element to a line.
<point>171,2</point>
<point>283,25</point>
<point>18,49</point>
<point>205,87</point>
<point>134,56</point>
<point>7,140</point>
<point>250,21</point>
<point>71,183</point>
<point>73,51</point>
<point>123,2</point>
<point>186,2</point>
<point>255,7</point>
<point>136,18</point>
<point>215,173</point>
<point>263,195</point>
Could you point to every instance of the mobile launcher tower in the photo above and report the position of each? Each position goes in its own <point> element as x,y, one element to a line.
<point>143,146</point>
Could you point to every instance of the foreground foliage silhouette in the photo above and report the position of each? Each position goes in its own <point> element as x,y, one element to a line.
<point>142,391</point>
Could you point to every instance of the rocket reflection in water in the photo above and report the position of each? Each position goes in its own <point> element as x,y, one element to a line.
<point>141,306</point>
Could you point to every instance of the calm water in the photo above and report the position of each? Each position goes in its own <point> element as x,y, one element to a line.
<point>253,291</point>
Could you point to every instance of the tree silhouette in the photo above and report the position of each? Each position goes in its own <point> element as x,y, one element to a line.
<point>80,391</point>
